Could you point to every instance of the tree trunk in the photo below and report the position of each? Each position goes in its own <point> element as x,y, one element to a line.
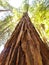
<point>25,46</point>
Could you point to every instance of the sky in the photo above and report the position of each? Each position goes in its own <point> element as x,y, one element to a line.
<point>1,48</point>
<point>14,3</point>
<point>17,3</point>
<point>3,14</point>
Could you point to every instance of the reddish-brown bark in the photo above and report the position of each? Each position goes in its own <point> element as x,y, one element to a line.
<point>25,46</point>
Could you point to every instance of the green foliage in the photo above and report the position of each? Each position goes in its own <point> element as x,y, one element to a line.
<point>41,16</point>
<point>38,12</point>
<point>5,4</point>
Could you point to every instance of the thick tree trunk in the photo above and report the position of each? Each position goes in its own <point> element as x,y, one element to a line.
<point>25,46</point>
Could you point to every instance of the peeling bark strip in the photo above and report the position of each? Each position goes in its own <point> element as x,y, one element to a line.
<point>25,46</point>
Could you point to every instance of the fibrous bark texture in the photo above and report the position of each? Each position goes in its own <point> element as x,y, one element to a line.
<point>25,46</point>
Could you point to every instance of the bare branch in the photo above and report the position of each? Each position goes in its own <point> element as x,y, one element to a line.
<point>4,10</point>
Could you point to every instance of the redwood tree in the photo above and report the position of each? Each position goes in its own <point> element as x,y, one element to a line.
<point>25,46</point>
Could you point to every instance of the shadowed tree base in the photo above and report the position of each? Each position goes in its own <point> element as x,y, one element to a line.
<point>25,46</point>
